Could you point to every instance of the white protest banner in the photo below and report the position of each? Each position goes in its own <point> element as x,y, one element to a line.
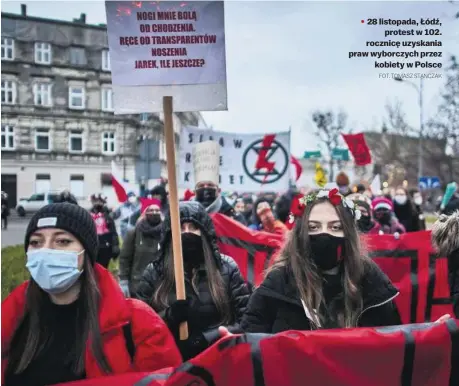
<point>169,48</point>
<point>248,162</point>
<point>206,161</point>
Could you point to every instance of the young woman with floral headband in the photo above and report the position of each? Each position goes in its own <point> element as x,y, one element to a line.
<point>321,278</point>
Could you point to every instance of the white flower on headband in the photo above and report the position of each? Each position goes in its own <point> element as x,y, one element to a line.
<point>357,214</point>
<point>322,194</point>
<point>349,203</point>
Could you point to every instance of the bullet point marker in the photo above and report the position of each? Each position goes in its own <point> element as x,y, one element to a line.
<point>362,21</point>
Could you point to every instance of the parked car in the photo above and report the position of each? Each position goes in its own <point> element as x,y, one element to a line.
<point>38,200</point>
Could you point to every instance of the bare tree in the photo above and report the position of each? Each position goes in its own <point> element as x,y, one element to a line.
<point>329,127</point>
<point>445,125</point>
<point>396,119</point>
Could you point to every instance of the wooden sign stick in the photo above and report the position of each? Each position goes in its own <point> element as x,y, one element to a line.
<point>174,207</point>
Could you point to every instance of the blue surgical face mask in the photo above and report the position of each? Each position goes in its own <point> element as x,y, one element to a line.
<point>53,270</point>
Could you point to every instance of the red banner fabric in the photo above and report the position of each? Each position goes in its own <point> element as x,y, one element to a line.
<point>358,148</point>
<point>421,355</point>
<point>410,262</point>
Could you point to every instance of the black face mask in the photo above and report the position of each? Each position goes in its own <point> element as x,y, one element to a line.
<point>206,196</point>
<point>327,250</point>
<point>383,216</point>
<point>193,253</point>
<point>364,223</point>
<point>153,219</point>
<point>99,207</point>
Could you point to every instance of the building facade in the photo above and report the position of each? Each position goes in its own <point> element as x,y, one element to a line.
<point>58,129</point>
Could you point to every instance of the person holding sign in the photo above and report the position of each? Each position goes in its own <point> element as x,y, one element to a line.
<point>215,289</point>
<point>321,278</point>
<point>206,164</point>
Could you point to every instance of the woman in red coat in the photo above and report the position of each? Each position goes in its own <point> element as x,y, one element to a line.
<point>71,320</point>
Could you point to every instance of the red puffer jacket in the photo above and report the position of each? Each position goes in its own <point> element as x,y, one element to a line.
<point>155,347</point>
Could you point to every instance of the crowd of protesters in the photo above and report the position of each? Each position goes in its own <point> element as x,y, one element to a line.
<point>73,320</point>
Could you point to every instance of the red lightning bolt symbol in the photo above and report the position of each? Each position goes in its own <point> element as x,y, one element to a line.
<point>262,162</point>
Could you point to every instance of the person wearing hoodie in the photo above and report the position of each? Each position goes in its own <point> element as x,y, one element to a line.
<point>216,291</point>
<point>129,212</point>
<point>140,248</point>
<point>405,210</point>
<point>445,237</point>
<point>417,199</point>
<point>386,222</point>
<point>365,223</point>
<point>109,244</point>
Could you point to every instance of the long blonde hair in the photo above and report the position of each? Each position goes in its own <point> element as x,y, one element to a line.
<point>296,257</point>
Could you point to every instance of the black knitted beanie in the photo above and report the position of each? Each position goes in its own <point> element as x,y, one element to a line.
<point>71,218</point>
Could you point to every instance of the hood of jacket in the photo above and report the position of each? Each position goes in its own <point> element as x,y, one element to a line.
<point>445,234</point>
<point>194,212</point>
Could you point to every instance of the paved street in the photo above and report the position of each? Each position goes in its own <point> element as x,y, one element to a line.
<point>16,230</point>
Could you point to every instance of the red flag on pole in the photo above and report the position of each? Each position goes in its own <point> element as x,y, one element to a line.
<point>358,148</point>
<point>298,167</point>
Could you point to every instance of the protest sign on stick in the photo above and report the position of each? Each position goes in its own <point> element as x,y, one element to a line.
<point>167,55</point>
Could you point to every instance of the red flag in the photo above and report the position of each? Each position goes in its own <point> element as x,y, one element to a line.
<point>118,184</point>
<point>422,354</point>
<point>358,148</point>
<point>298,167</point>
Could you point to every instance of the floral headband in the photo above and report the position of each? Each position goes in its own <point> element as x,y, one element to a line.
<point>332,195</point>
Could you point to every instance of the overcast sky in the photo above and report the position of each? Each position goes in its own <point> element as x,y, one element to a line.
<point>287,59</point>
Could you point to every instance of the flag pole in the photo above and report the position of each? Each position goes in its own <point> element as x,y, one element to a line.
<point>174,206</point>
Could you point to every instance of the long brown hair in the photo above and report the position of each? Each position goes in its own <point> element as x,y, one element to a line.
<point>166,286</point>
<point>296,257</point>
<point>37,333</point>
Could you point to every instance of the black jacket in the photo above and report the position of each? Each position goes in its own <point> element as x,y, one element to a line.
<point>408,216</point>
<point>204,317</point>
<point>275,306</point>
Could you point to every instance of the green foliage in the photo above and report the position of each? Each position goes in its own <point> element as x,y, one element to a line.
<point>14,271</point>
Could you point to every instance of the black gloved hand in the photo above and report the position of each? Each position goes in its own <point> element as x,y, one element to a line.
<point>192,346</point>
<point>177,312</point>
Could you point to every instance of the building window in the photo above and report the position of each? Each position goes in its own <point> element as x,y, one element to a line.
<point>77,98</point>
<point>42,94</point>
<point>77,56</point>
<point>108,143</point>
<point>8,138</point>
<point>8,92</point>
<point>105,60</point>
<point>42,53</point>
<point>7,48</point>
<point>42,185</point>
<point>42,140</point>
<point>76,141</point>
<point>77,185</point>
<point>107,99</point>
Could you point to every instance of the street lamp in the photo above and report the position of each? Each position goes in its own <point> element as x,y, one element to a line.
<point>420,90</point>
